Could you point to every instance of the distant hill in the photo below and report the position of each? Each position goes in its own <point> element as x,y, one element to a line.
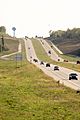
<point>67,41</point>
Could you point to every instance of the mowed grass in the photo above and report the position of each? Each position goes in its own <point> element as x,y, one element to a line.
<point>26,93</point>
<point>70,58</point>
<point>43,56</point>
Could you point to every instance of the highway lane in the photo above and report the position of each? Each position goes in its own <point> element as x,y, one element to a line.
<point>47,48</point>
<point>30,52</point>
<point>62,75</point>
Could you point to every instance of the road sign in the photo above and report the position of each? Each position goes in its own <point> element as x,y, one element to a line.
<point>18,57</point>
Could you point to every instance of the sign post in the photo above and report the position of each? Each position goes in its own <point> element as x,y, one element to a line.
<point>18,57</point>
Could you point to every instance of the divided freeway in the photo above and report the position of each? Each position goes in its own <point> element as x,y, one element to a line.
<point>62,75</point>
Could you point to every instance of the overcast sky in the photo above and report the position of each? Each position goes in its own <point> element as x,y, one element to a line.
<point>37,17</point>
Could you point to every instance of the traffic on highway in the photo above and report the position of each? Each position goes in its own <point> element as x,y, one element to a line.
<point>65,76</point>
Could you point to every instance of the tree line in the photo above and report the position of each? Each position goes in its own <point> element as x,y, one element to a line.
<point>68,34</point>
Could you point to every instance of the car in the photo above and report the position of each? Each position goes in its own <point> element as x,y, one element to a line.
<point>30,56</point>
<point>51,46</point>
<point>35,60</point>
<point>73,76</point>
<point>41,63</point>
<point>28,47</point>
<point>56,68</point>
<point>47,64</point>
<point>58,59</point>
<point>78,62</point>
<point>43,43</point>
<point>49,52</point>
<point>65,60</point>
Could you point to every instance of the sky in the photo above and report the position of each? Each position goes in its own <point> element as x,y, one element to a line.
<point>38,17</point>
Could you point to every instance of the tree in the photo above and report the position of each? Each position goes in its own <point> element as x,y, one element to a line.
<point>36,36</point>
<point>2,29</point>
<point>50,32</point>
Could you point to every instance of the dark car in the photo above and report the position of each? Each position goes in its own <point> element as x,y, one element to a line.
<point>35,60</point>
<point>56,68</point>
<point>49,52</point>
<point>41,63</point>
<point>78,62</point>
<point>47,64</point>
<point>58,59</point>
<point>28,47</point>
<point>65,60</point>
<point>73,76</point>
<point>51,46</point>
<point>30,56</point>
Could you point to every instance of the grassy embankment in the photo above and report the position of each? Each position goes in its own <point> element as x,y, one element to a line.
<point>22,54</point>
<point>43,56</point>
<point>10,44</point>
<point>28,94</point>
<point>65,56</point>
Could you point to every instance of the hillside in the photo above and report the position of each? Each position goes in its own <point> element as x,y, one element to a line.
<point>10,44</point>
<point>67,41</point>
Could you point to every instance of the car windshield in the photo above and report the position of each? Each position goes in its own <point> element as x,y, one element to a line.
<point>73,74</point>
<point>56,66</point>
